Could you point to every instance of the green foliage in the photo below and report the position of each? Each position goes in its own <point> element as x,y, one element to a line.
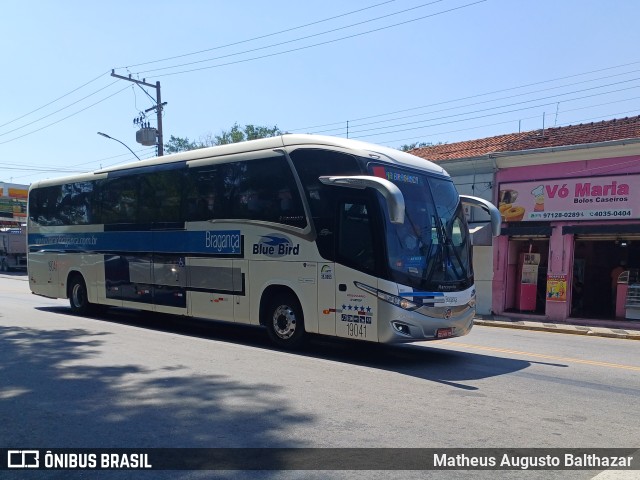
<point>254,132</point>
<point>414,145</point>
<point>177,144</point>
<point>234,135</point>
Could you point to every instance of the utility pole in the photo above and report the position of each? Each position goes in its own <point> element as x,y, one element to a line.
<point>157,107</point>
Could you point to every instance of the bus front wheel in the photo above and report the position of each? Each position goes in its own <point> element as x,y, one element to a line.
<point>78,296</point>
<point>284,321</point>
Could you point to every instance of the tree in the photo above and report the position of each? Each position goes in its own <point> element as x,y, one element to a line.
<point>411,146</point>
<point>414,145</point>
<point>234,135</point>
<point>177,144</point>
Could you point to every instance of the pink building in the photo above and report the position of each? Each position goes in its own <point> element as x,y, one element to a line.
<point>570,199</point>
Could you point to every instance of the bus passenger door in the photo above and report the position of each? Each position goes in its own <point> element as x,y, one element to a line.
<point>356,265</point>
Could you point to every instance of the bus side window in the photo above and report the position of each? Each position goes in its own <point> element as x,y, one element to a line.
<point>310,164</point>
<point>265,189</point>
<point>262,189</point>
<point>75,203</point>
<point>119,202</point>
<point>43,204</point>
<point>355,236</point>
<point>313,163</point>
<point>160,194</point>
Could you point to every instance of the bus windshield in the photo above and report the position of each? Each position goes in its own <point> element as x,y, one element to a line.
<point>431,250</point>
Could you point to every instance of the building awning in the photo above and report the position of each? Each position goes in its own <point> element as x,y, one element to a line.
<point>535,230</point>
<point>619,230</point>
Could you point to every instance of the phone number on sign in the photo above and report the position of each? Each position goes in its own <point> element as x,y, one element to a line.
<point>611,213</point>
<point>584,214</point>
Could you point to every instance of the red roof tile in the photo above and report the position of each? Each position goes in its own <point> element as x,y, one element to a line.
<point>617,129</point>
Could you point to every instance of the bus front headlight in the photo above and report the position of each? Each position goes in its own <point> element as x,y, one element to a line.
<point>388,297</point>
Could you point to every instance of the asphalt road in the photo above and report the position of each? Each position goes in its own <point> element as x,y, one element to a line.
<point>132,380</point>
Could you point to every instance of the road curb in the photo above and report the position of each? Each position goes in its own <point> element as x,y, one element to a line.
<point>568,329</point>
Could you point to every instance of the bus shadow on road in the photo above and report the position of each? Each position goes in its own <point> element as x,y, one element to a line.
<point>444,366</point>
<point>447,367</point>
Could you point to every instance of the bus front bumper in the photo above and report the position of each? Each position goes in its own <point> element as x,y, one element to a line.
<point>406,327</point>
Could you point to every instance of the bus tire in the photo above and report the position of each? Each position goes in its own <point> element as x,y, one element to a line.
<point>285,322</point>
<point>78,295</point>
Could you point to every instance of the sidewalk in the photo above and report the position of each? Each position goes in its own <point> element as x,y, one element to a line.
<point>626,329</point>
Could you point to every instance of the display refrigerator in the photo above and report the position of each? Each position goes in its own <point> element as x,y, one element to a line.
<point>527,287</point>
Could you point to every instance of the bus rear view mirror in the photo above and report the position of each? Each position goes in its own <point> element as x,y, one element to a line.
<point>391,193</point>
<point>490,208</point>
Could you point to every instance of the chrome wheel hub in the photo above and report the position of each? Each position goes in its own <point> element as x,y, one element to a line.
<point>284,322</point>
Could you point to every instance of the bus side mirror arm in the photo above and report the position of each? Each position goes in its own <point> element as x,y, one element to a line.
<point>487,206</point>
<point>391,193</point>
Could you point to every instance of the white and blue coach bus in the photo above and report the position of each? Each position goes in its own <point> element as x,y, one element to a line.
<point>299,233</point>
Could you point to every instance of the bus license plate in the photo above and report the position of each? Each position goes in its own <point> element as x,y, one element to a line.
<point>444,332</point>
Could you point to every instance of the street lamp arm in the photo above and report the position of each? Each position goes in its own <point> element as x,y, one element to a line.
<point>111,138</point>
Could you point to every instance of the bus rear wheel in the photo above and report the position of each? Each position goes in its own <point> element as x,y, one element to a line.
<point>284,321</point>
<point>78,296</point>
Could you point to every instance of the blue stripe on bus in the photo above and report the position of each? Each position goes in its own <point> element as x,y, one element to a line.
<point>208,242</point>
<point>421,294</point>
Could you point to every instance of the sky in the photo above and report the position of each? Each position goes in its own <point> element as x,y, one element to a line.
<point>386,72</point>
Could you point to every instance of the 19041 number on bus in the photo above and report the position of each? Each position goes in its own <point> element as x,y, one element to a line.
<point>357,330</point>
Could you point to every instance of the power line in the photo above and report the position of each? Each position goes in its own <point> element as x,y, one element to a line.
<point>53,169</point>
<point>260,37</point>
<point>444,102</point>
<point>386,132</point>
<point>293,40</point>
<point>53,113</point>
<point>502,98</point>
<point>194,53</point>
<point>362,118</point>
<point>57,111</point>
<point>484,116</point>
<point>600,117</point>
<point>321,43</point>
<point>54,101</point>
<point>335,40</point>
<point>64,118</point>
<point>557,134</point>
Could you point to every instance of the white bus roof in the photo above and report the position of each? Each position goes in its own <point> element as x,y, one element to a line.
<point>363,149</point>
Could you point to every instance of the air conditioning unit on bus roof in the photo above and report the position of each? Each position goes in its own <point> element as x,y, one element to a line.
<point>146,136</point>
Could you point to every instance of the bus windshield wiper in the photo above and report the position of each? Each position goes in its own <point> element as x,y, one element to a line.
<point>431,262</point>
<point>448,245</point>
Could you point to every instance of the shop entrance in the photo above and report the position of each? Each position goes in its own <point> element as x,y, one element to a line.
<point>526,284</point>
<point>594,260</point>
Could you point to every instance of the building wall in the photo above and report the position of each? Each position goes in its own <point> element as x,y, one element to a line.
<point>561,253</point>
<point>570,169</point>
<point>13,202</point>
<point>479,185</point>
<point>483,270</point>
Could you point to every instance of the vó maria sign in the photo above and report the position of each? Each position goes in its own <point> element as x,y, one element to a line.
<point>593,198</point>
